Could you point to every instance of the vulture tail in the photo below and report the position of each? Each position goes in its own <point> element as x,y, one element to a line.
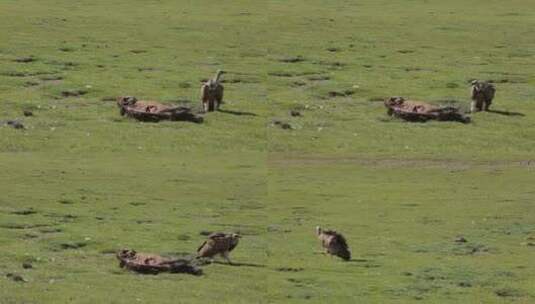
<point>345,255</point>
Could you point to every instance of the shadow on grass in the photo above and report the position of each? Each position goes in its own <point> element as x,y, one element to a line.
<point>234,264</point>
<point>506,113</point>
<point>238,113</point>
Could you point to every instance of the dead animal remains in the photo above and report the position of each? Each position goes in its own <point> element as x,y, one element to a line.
<point>154,111</point>
<point>154,264</point>
<point>412,110</point>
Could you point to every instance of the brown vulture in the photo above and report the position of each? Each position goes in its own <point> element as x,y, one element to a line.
<point>212,93</point>
<point>482,93</point>
<point>218,243</point>
<point>334,243</point>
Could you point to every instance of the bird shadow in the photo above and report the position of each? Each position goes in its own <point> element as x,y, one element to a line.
<point>506,113</point>
<point>234,264</point>
<point>238,113</point>
<point>358,261</point>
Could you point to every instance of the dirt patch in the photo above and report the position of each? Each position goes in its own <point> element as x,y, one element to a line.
<point>73,93</point>
<point>508,80</point>
<point>281,74</point>
<point>15,74</point>
<point>146,69</point>
<point>29,236</point>
<point>344,93</point>
<point>18,226</point>
<point>318,78</point>
<point>470,249</point>
<point>295,59</point>
<point>25,59</point>
<point>51,78</point>
<point>24,212</point>
<point>331,64</point>
<point>135,204</point>
<point>67,49</point>
<point>289,269</point>
<point>72,245</point>
<point>63,218</point>
<point>298,83</point>
<point>282,124</point>
<point>30,83</point>
<point>50,230</point>
<point>508,293</point>
<point>138,51</point>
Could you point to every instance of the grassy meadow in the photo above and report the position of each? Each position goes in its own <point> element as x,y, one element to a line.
<point>80,181</point>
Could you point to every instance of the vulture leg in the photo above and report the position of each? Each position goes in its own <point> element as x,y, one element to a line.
<point>473,107</point>
<point>226,257</point>
<point>487,105</point>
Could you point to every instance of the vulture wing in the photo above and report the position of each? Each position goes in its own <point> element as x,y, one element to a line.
<point>216,235</point>
<point>201,247</point>
<point>341,240</point>
<point>233,244</point>
<point>209,248</point>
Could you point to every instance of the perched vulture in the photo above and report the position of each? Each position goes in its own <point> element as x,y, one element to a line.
<point>334,243</point>
<point>218,243</point>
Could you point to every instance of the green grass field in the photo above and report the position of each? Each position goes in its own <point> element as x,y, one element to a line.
<point>81,182</point>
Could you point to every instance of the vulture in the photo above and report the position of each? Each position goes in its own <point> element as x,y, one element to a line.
<point>482,93</point>
<point>212,93</point>
<point>334,243</point>
<point>218,243</point>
